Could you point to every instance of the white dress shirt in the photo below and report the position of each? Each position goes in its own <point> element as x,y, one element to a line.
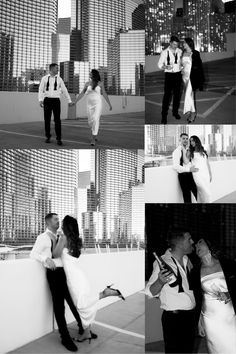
<point>163,60</point>
<point>170,298</point>
<point>42,249</point>
<point>176,156</point>
<point>61,88</point>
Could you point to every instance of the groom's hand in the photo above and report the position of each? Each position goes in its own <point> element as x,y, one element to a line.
<point>164,276</point>
<point>50,264</point>
<point>194,169</point>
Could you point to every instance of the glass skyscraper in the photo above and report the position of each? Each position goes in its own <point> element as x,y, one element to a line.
<point>26,28</point>
<point>32,184</point>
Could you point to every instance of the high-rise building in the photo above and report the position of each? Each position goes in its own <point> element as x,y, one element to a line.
<point>126,66</point>
<point>94,228</point>
<point>33,183</point>
<point>159,15</point>
<point>131,214</point>
<point>61,41</point>
<point>75,74</point>
<point>117,172</point>
<point>138,18</point>
<point>29,26</point>
<point>130,7</point>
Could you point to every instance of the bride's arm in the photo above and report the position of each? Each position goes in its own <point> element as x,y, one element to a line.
<point>209,170</point>
<point>59,247</point>
<point>82,93</point>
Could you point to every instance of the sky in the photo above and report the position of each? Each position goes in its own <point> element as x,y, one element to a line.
<point>64,8</point>
<point>84,160</point>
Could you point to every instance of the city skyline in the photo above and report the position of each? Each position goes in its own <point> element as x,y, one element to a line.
<point>75,182</point>
<point>206,21</point>
<point>216,139</point>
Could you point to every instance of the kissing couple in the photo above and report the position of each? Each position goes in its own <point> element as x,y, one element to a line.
<point>60,254</point>
<point>195,296</point>
<point>190,161</point>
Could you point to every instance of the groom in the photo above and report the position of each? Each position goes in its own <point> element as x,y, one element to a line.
<point>184,170</point>
<point>170,62</point>
<point>42,252</point>
<point>179,317</point>
<point>50,89</point>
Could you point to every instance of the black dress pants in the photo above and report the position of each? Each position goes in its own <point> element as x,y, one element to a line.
<point>172,87</point>
<point>179,331</point>
<point>52,105</point>
<point>60,292</point>
<point>187,185</point>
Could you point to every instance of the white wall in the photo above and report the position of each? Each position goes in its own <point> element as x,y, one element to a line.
<point>25,303</point>
<point>152,60</point>
<point>162,185</point>
<point>153,326</point>
<point>18,107</point>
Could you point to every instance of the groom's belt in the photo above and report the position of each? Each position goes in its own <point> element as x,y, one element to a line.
<point>179,311</point>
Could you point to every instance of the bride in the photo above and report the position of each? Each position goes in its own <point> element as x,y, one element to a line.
<point>217,277</point>
<point>69,249</point>
<point>94,89</point>
<point>203,177</point>
<point>193,78</point>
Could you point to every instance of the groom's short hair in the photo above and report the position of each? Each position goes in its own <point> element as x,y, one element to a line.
<point>49,216</point>
<point>183,134</point>
<point>52,65</point>
<point>175,235</point>
<point>174,39</point>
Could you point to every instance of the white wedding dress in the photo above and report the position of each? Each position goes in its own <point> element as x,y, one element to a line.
<point>79,288</point>
<point>188,98</point>
<point>201,178</point>
<point>219,319</point>
<point>94,107</point>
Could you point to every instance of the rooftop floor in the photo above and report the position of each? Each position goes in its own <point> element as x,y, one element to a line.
<point>119,326</point>
<point>116,131</point>
<point>215,105</point>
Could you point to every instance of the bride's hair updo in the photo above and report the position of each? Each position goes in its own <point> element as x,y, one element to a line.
<point>95,78</point>
<point>198,147</point>
<point>71,230</point>
<point>190,43</point>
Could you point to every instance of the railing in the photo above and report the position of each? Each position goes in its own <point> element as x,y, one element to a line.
<point>25,302</point>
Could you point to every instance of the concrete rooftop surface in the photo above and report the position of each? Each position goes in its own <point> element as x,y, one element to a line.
<point>216,104</point>
<point>116,131</point>
<point>119,326</point>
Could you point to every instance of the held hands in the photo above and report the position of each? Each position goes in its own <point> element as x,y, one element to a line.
<point>223,296</point>
<point>41,104</point>
<point>194,169</point>
<point>110,107</point>
<point>71,104</point>
<point>50,264</point>
<point>164,277</point>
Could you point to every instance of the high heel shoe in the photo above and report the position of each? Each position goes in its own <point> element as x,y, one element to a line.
<point>118,293</point>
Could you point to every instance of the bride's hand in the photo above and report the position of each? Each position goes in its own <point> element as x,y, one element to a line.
<point>201,330</point>
<point>210,178</point>
<point>223,296</point>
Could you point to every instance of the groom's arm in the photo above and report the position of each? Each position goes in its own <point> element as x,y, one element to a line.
<point>161,61</point>
<point>65,91</point>
<point>38,249</point>
<point>176,164</point>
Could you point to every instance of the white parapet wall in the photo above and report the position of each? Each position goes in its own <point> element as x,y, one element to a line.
<point>25,302</point>
<point>19,107</point>
<point>162,185</point>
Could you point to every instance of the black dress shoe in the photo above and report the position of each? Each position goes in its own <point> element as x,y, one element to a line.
<point>47,140</point>
<point>69,344</point>
<point>59,142</point>
<point>177,116</point>
<point>93,335</point>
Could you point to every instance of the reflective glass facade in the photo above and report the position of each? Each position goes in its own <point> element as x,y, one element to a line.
<point>126,67</point>
<point>25,41</point>
<point>75,74</point>
<point>32,184</point>
<point>117,171</point>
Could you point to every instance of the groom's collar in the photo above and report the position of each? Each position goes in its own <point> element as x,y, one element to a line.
<point>50,232</point>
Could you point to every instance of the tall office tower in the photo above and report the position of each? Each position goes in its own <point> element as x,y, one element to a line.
<point>126,63</point>
<point>117,170</point>
<point>83,186</point>
<point>159,15</point>
<point>29,25</point>
<point>131,214</point>
<point>61,41</point>
<point>100,20</point>
<point>33,183</point>
<point>138,18</point>
<point>220,25</point>
<point>75,74</point>
<point>130,7</point>
<point>198,22</point>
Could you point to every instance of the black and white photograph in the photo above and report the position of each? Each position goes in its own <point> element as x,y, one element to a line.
<point>190,62</point>
<point>190,278</point>
<point>72,232</point>
<point>190,163</point>
<point>77,62</point>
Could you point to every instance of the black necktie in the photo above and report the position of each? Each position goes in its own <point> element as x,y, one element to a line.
<point>47,86</point>
<point>55,83</point>
<point>176,58</point>
<point>181,162</point>
<point>168,58</point>
<point>178,279</point>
